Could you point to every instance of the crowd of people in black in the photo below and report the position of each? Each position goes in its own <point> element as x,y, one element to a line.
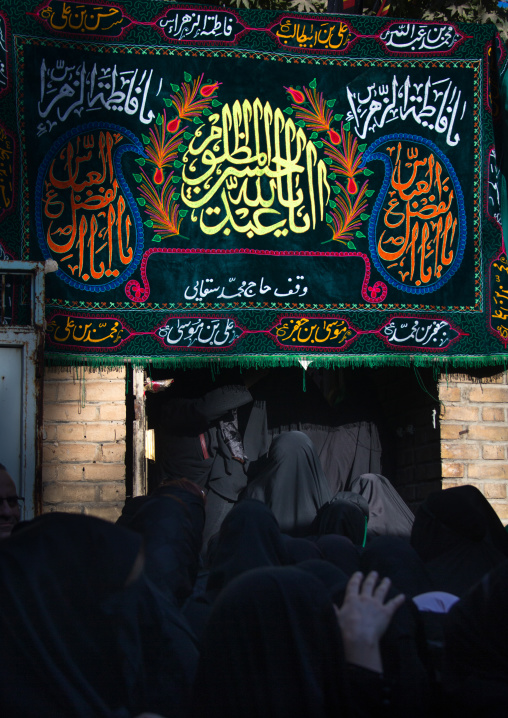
<point>303,604</point>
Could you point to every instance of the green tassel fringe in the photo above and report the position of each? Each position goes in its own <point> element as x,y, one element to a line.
<point>440,365</point>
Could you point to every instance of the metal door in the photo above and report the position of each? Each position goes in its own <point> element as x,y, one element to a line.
<point>21,362</point>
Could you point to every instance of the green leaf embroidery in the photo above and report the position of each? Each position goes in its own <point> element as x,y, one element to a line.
<point>314,135</point>
<point>140,160</point>
<point>177,164</point>
<point>288,110</point>
<point>347,126</point>
<point>176,195</point>
<point>360,235</point>
<point>158,121</point>
<point>319,144</point>
<point>369,192</point>
<point>146,140</point>
<point>207,111</point>
<point>335,189</point>
<point>141,201</point>
<point>351,245</point>
<point>313,84</point>
<point>367,172</point>
<point>328,219</point>
<point>187,77</point>
<point>338,118</point>
<point>137,178</point>
<point>175,88</point>
<point>183,212</point>
<point>364,216</point>
<point>175,179</point>
<point>331,103</point>
<point>362,148</point>
<point>148,223</point>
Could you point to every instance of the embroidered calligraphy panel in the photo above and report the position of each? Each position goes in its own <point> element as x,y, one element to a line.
<point>251,184</point>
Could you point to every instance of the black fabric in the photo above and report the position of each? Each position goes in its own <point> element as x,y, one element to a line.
<point>183,420</point>
<point>344,433</point>
<point>272,648</point>
<point>171,522</point>
<point>450,535</point>
<point>346,514</point>
<point>75,642</point>
<point>395,558</point>
<point>291,482</point>
<point>300,549</point>
<point>249,537</point>
<point>389,515</point>
<point>476,648</point>
<point>340,551</point>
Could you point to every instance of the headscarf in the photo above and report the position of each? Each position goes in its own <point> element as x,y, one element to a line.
<point>347,514</point>
<point>476,648</point>
<point>451,536</point>
<point>171,522</point>
<point>394,557</point>
<point>73,632</point>
<point>249,538</point>
<point>272,647</point>
<point>340,551</point>
<point>291,482</point>
<point>58,653</point>
<point>389,515</point>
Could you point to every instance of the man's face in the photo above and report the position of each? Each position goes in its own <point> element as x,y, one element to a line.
<point>9,515</point>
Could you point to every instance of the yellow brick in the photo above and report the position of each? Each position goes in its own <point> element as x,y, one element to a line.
<point>105,391</point>
<point>494,452</point>
<point>71,472</point>
<point>49,472</point>
<point>70,432</point>
<point>70,412</point>
<point>49,432</point>
<point>452,470</point>
<point>70,391</point>
<point>112,412</point>
<point>113,452</point>
<point>452,431</point>
<point>68,493</point>
<point>113,493</point>
<point>50,391</point>
<point>485,432</point>
<point>447,484</point>
<point>488,470</point>
<point>58,373</point>
<point>449,393</point>
<point>460,413</point>
<point>490,413</point>
<point>108,373</point>
<point>459,451</point>
<point>100,432</point>
<point>70,452</point>
<point>488,394</point>
<point>104,472</point>
<point>495,491</point>
<point>501,510</point>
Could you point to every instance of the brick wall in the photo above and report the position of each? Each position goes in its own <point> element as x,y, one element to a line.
<point>474,435</point>
<point>84,441</point>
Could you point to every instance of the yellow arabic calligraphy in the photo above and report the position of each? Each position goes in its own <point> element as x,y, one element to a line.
<point>253,158</point>
<point>81,18</point>
<point>323,35</point>
<point>322,331</point>
<point>76,330</point>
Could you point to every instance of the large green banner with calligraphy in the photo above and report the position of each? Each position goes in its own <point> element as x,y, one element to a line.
<point>209,184</point>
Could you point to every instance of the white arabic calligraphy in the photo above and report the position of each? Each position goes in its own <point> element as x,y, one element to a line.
<point>428,332</point>
<point>419,38</point>
<point>194,331</point>
<point>244,289</point>
<point>72,89</point>
<point>3,58</point>
<point>433,104</point>
<point>197,25</point>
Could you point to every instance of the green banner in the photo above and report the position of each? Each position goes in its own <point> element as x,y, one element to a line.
<point>255,187</point>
